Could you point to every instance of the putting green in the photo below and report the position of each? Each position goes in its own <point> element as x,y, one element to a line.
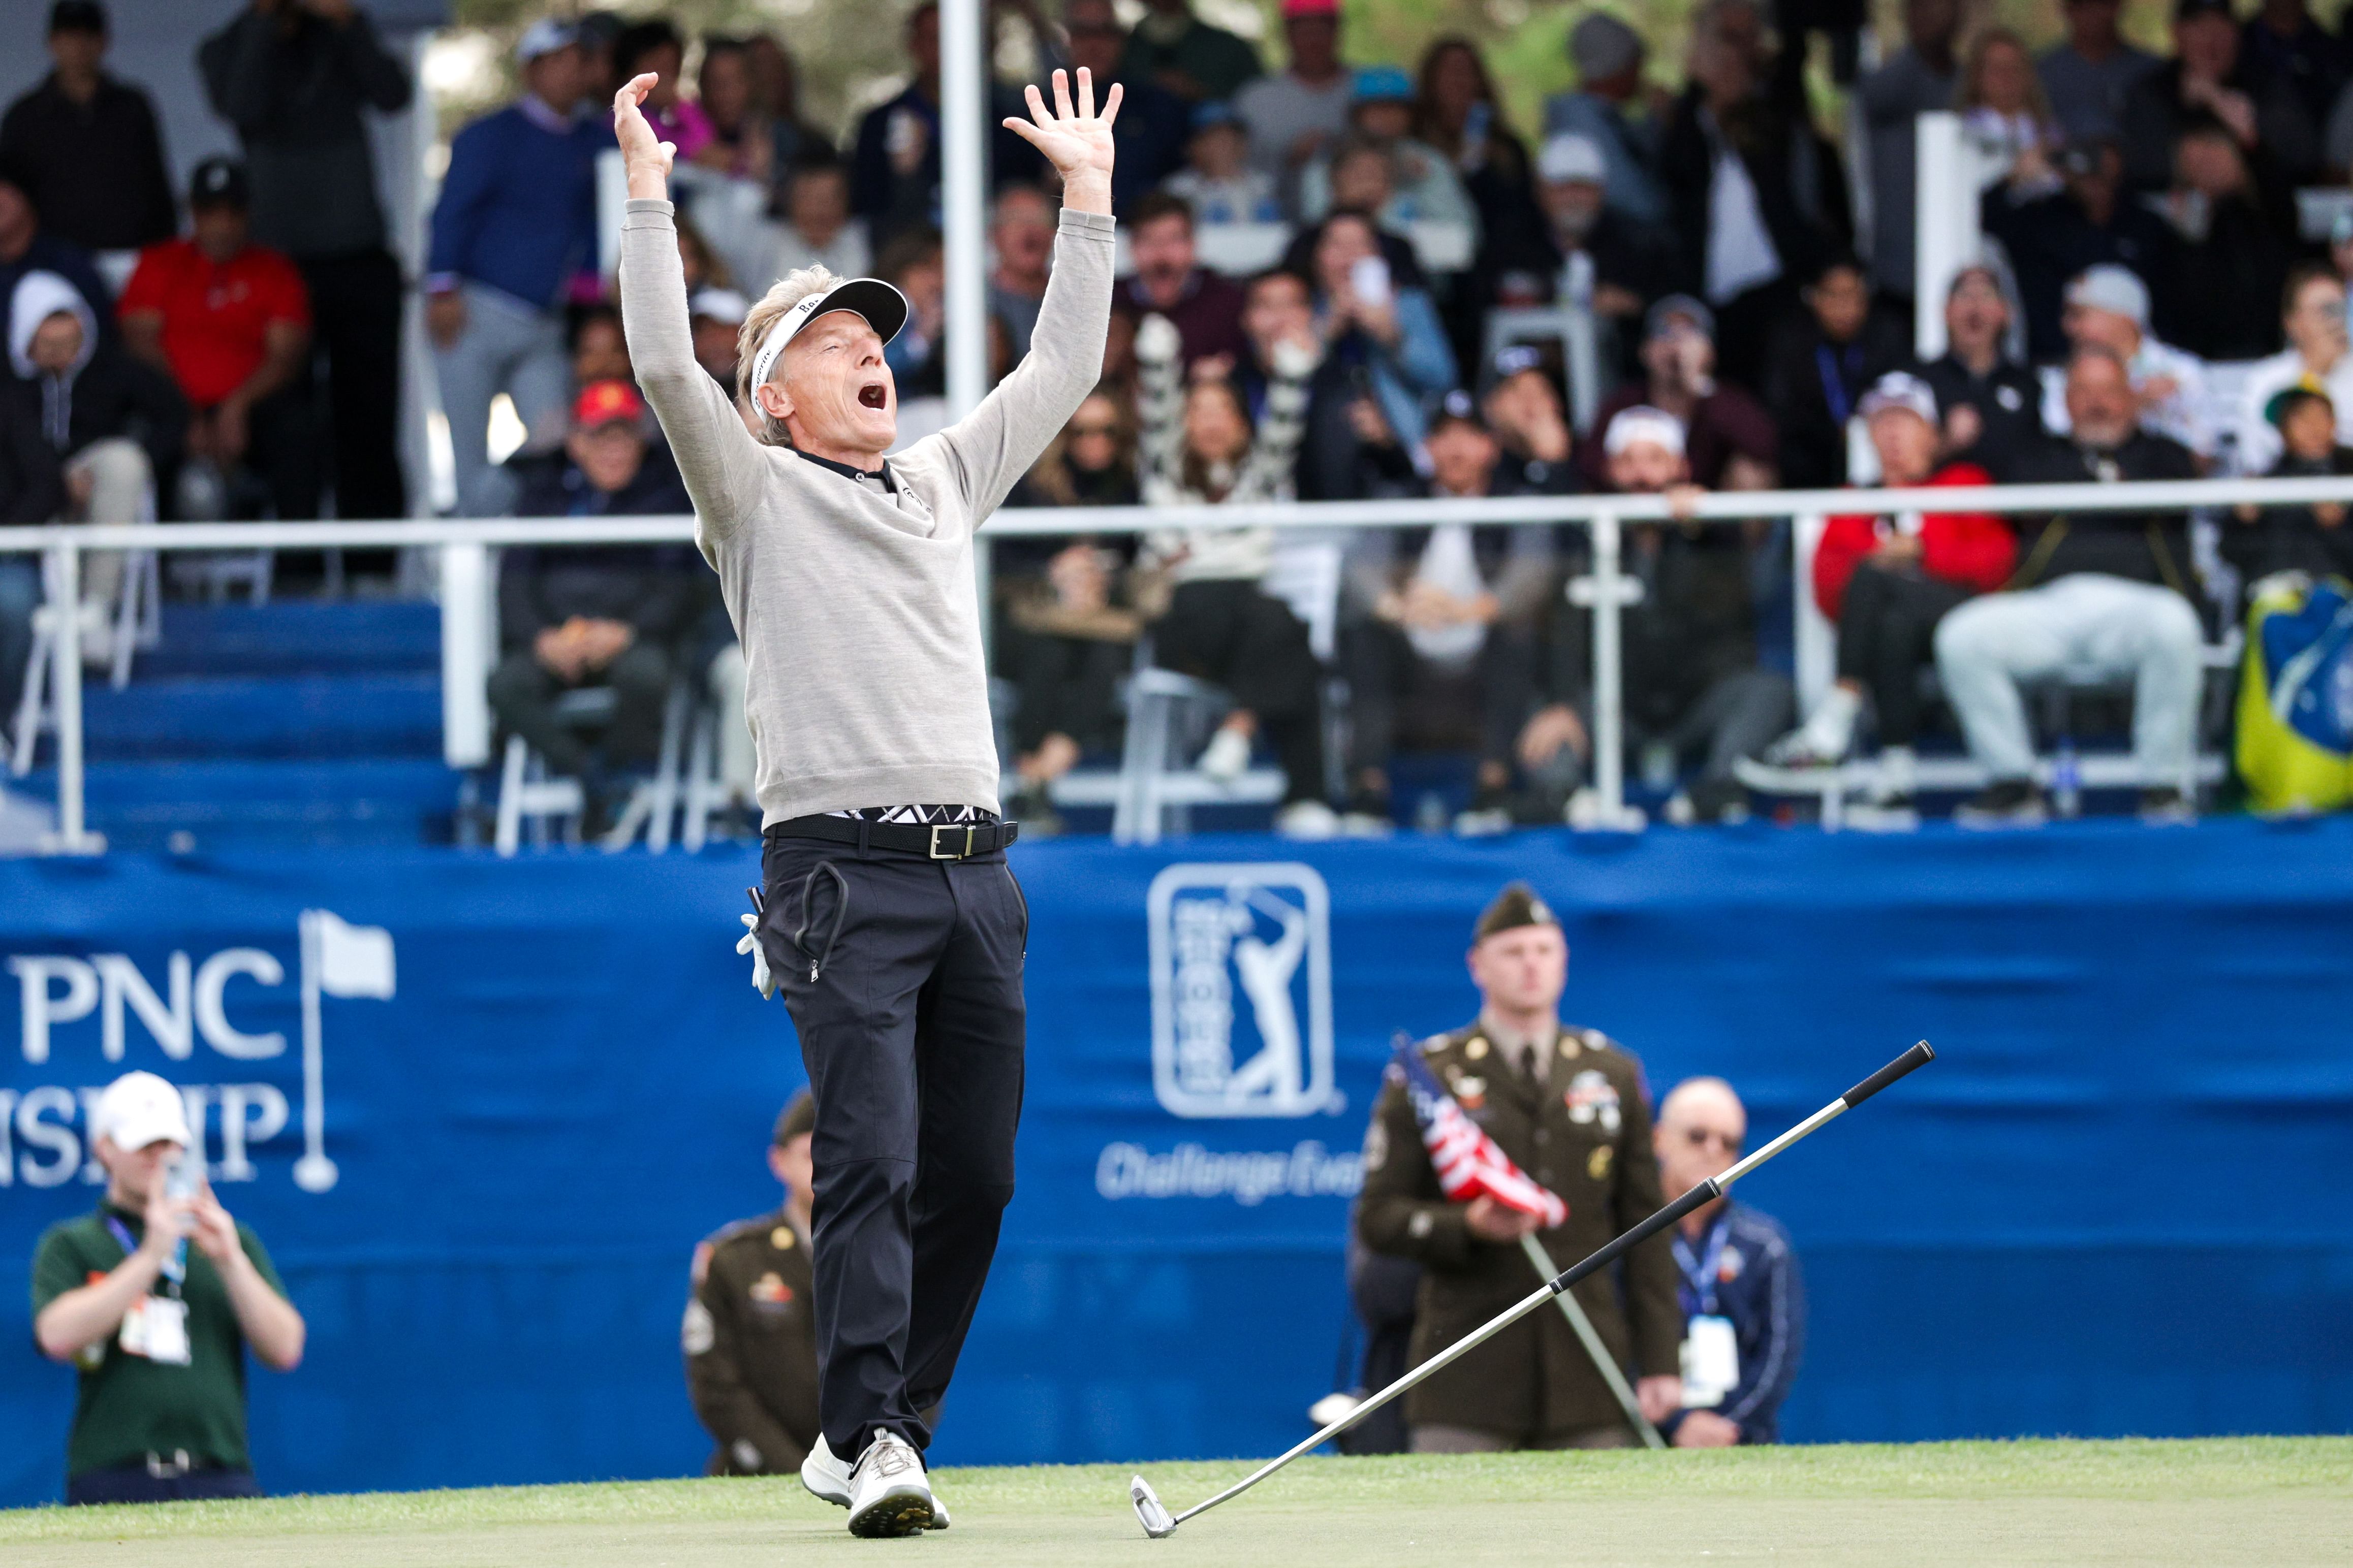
<point>2260,1499</point>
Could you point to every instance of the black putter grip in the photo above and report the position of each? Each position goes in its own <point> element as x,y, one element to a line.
<point>1707,1191</point>
<point>1919,1055</point>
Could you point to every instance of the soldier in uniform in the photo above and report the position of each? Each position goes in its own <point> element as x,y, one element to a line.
<point>1569,1105</point>
<point>749,1335</point>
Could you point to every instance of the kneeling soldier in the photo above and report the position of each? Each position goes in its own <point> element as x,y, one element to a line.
<point>749,1337</point>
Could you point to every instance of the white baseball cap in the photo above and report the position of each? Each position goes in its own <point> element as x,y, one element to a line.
<point>544,37</point>
<point>719,305</point>
<point>139,1108</point>
<point>1899,389</point>
<point>1643,423</point>
<point>1570,157</point>
<point>2114,289</point>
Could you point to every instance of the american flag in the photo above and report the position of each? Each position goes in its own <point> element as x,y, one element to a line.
<point>1468,1162</point>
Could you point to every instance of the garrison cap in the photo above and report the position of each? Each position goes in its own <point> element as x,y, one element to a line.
<point>799,1117</point>
<point>1517,906</point>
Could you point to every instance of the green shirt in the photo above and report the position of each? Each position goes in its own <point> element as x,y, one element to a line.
<point>131,1406</point>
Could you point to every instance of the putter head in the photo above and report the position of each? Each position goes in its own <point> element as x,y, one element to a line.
<point>1149,1511</point>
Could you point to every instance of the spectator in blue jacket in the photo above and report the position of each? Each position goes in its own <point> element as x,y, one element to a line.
<point>513,236</point>
<point>1743,1301</point>
<point>1381,327</point>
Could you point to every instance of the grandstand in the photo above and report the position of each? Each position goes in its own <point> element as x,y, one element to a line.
<point>2089,1223</point>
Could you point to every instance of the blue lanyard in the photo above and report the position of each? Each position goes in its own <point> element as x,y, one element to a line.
<point>176,1267</point>
<point>1834,391</point>
<point>1700,1273</point>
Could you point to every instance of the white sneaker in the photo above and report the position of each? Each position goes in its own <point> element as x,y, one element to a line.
<point>825,1476</point>
<point>1307,819</point>
<point>1228,754</point>
<point>888,1492</point>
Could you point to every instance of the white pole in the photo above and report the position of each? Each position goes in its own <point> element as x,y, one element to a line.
<point>963,139</point>
<point>964,198</point>
<point>1945,220</point>
<point>1609,689</point>
<point>1817,638</point>
<point>469,649</point>
<point>65,669</point>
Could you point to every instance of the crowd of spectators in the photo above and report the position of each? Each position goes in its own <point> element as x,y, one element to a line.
<point>1316,252</point>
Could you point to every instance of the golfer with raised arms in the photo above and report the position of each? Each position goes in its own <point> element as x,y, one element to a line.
<point>891,921</point>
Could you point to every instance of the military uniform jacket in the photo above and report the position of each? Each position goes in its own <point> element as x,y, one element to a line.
<point>749,1339</point>
<point>1586,1136</point>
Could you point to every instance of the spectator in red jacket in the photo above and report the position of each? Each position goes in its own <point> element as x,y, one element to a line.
<point>1887,579</point>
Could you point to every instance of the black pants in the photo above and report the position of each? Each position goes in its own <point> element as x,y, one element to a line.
<point>1069,685</point>
<point>1250,644</point>
<point>355,314</point>
<point>1737,716</point>
<point>1393,691</point>
<point>523,692</point>
<point>1887,630</point>
<point>136,1483</point>
<point>904,978</point>
<point>281,457</point>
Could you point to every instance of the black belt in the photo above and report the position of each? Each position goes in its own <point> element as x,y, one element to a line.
<point>934,840</point>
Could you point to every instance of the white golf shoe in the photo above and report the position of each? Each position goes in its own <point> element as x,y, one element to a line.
<point>827,1478</point>
<point>888,1492</point>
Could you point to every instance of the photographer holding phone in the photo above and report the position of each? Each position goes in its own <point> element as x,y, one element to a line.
<point>1375,321</point>
<point>156,1327</point>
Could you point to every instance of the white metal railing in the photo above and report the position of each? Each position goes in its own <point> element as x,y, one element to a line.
<point>469,618</point>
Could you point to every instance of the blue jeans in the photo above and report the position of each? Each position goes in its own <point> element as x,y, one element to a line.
<point>20,592</point>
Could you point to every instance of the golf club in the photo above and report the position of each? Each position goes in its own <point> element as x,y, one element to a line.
<point>1158,1522</point>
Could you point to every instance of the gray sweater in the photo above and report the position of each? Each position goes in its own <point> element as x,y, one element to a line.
<point>866,685</point>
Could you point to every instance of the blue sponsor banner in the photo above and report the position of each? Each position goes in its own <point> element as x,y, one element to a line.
<point>481,1111</point>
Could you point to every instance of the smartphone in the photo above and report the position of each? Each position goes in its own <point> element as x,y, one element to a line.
<point>1368,279</point>
<point>185,1177</point>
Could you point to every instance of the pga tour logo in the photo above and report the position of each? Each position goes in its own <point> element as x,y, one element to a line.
<point>1242,991</point>
<point>57,991</point>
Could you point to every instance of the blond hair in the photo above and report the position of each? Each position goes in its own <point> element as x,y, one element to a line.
<point>782,296</point>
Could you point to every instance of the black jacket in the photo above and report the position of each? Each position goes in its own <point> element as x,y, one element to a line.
<point>2287,148</point>
<point>2008,400</point>
<point>32,480</point>
<point>653,587</point>
<point>112,396</point>
<point>2052,238</point>
<point>2146,547</point>
<point>94,172</point>
<point>1800,187</point>
<point>2219,296</point>
<point>2292,538</point>
<point>294,94</point>
<point>1813,386</point>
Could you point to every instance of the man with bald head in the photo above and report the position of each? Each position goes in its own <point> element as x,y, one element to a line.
<point>1743,1303</point>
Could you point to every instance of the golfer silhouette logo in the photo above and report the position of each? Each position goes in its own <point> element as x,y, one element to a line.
<point>1242,991</point>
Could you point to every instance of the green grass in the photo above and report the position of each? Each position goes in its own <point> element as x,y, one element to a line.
<point>2262,1499</point>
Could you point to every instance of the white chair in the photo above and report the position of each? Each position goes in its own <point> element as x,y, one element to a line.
<point>529,796</point>
<point>652,806</point>
<point>1168,717</point>
<point>1578,334</point>
<point>134,622</point>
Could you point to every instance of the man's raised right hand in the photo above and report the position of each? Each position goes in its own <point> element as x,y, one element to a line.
<point>647,156</point>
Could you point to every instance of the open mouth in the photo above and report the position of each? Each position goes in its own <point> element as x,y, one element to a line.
<point>874,395</point>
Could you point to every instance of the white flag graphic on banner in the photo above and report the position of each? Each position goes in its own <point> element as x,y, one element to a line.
<point>354,961</point>
<point>339,959</point>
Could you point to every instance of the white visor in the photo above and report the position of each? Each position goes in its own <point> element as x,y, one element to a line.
<point>884,308</point>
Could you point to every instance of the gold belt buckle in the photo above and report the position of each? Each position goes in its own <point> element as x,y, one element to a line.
<point>940,828</point>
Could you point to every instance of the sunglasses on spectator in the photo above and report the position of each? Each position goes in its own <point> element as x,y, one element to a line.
<point>2329,310</point>
<point>1077,430</point>
<point>1701,1137</point>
